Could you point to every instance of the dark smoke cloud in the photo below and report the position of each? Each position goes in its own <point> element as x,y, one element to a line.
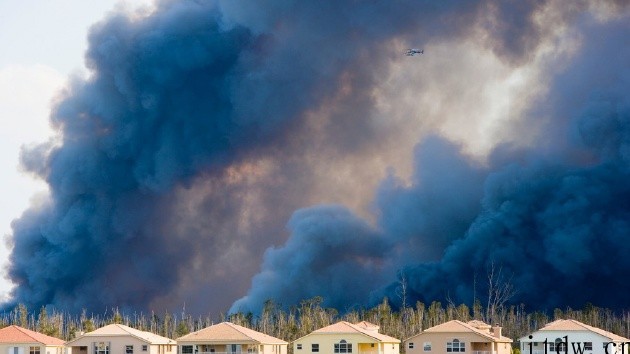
<point>192,97</point>
<point>331,251</point>
<point>203,126</point>
<point>553,217</point>
<point>437,208</point>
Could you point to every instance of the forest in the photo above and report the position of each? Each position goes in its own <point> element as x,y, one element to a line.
<point>310,315</point>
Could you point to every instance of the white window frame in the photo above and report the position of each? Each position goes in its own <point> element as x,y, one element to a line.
<point>456,346</point>
<point>343,347</point>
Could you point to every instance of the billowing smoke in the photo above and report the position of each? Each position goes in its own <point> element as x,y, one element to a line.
<point>200,128</point>
<point>203,126</point>
<point>552,218</point>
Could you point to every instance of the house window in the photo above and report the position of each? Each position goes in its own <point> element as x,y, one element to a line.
<point>315,348</point>
<point>128,349</point>
<point>558,345</point>
<point>101,348</point>
<point>455,346</point>
<point>144,348</point>
<point>588,345</point>
<point>410,345</point>
<point>187,349</point>
<point>33,350</point>
<point>426,346</point>
<point>343,347</point>
<point>299,347</point>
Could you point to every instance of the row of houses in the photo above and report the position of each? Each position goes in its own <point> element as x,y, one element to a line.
<point>473,337</point>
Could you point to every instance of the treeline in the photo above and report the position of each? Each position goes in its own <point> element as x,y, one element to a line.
<point>311,315</point>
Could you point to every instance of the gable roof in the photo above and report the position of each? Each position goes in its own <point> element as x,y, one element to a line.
<point>227,331</point>
<point>455,326</point>
<point>17,334</point>
<point>364,328</point>
<point>573,325</point>
<point>115,330</point>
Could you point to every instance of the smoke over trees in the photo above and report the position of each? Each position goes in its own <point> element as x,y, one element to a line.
<point>204,128</point>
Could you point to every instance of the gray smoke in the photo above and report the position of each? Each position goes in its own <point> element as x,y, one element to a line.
<point>203,126</point>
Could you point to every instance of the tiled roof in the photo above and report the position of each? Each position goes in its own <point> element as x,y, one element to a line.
<point>227,331</point>
<point>456,326</point>
<point>17,334</point>
<point>347,327</point>
<point>573,325</point>
<point>122,330</point>
<point>367,325</point>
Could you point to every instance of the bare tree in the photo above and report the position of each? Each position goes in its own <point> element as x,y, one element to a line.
<point>500,291</point>
<point>401,290</point>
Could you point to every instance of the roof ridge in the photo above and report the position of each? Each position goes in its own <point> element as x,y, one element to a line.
<point>238,329</point>
<point>34,336</point>
<point>601,331</point>
<point>587,327</point>
<point>25,331</point>
<point>471,328</point>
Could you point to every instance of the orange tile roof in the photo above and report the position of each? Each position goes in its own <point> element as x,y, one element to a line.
<point>226,332</point>
<point>347,327</point>
<point>456,326</point>
<point>17,334</point>
<point>573,325</point>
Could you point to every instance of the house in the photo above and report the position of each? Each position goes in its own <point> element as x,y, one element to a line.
<point>120,339</point>
<point>345,337</point>
<point>474,337</point>
<point>571,336</point>
<point>18,340</point>
<point>227,337</point>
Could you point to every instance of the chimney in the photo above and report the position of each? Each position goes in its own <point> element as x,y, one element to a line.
<point>496,330</point>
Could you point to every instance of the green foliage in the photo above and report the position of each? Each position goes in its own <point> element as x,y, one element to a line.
<point>181,329</point>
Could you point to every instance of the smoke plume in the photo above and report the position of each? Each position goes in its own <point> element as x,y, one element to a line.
<point>203,126</point>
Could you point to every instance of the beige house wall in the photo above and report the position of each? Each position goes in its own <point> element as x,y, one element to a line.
<point>474,344</point>
<point>118,345</point>
<point>361,344</point>
<point>275,349</point>
<point>24,348</point>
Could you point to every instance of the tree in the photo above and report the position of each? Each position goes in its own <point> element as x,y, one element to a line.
<point>87,324</point>
<point>22,315</point>
<point>401,290</point>
<point>181,329</point>
<point>500,291</point>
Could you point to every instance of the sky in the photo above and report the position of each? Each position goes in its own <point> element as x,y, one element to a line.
<point>218,154</point>
<point>43,43</point>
